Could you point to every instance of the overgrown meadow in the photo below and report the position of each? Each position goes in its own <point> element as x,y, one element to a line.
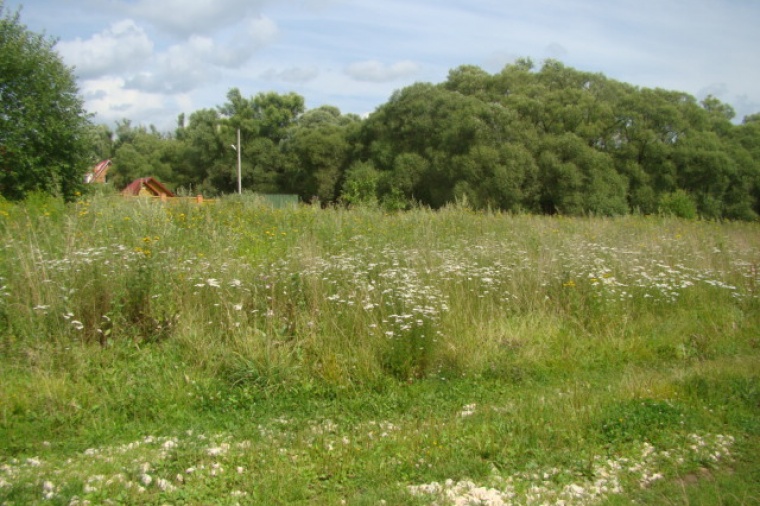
<point>231,353</point>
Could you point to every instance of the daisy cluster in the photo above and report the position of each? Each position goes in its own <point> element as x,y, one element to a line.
<point>393,290</point>
<point>607,477</point>
<point>169,468</point>
<point>163,466</point>
<point>387,285</point>
<point>622,273</point>
<point>139,467</point>
<point>111,258</point>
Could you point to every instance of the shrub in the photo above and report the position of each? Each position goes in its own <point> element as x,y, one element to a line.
<point>679,204</point>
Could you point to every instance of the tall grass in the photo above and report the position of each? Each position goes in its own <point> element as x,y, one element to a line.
<point>573,337</point>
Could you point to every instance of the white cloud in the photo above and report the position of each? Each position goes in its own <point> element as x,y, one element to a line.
<point>377,72</point>
<point>198,16</point>
<point>123,74</point>
<point>181,68</point>
<point>122,46</point>
<point>201,59</point>
<point>108,98</point>
<point>261,31</point>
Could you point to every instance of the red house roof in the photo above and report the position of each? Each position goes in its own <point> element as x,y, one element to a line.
<point>146,186</point>
<point>98,173</point>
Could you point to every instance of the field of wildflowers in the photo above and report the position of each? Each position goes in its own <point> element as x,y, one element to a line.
<point>231,353</point>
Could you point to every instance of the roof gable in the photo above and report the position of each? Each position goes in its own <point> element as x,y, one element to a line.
<point>146,186</point>
<point>98,173</point>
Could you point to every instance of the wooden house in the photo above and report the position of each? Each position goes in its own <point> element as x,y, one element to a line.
<point>98,173</point>
<point>146,187</point>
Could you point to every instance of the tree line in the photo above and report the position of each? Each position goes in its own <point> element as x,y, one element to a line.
<point>542,140</point>
<point>548,139</point>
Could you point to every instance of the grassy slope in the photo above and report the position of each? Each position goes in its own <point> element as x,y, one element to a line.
<point>232,353</point>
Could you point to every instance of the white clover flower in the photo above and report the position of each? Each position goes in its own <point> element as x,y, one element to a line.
<point>575,490</point>
<point>218,450</point>
<point>165,485</point>
<point>48,490</point>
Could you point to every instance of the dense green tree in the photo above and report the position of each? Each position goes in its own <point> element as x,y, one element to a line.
<point>143,152</point>
<point>719,114</point>
<point>264,121</point>
<point>437,144</point>
<point>746,138</point>
<point>275,113</point>
<point>267,165</point>
<point>577,179</point>
<point>102,140</point>
<point>319,156</point>
<point>406,176</point>
<point>207,163</point>
<point>43,126</point>
<point>470,80</point>
<point>238,112</point>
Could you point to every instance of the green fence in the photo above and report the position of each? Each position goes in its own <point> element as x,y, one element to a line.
<point>279,201</point>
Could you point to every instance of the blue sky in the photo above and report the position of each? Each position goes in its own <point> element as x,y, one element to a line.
<point>149,60</point>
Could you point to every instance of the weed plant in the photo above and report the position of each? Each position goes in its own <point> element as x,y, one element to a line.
<point>231,353</point>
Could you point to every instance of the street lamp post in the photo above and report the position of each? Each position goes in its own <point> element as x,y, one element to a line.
<point>237,148</point>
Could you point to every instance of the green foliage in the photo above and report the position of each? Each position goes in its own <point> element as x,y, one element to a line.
<point>320,155</point>
<point>140,152</point>
<point>43,126</point>
<point>409,355</point>
<point>641,420</point>
<point>577,179</point>
<point>679,204</point>
<point>360,186</point>
<point>578,143</point>
<point>206,161</point>
<point>274,113</point>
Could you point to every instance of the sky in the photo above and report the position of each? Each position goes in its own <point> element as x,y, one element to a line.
<point>150,60</point>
